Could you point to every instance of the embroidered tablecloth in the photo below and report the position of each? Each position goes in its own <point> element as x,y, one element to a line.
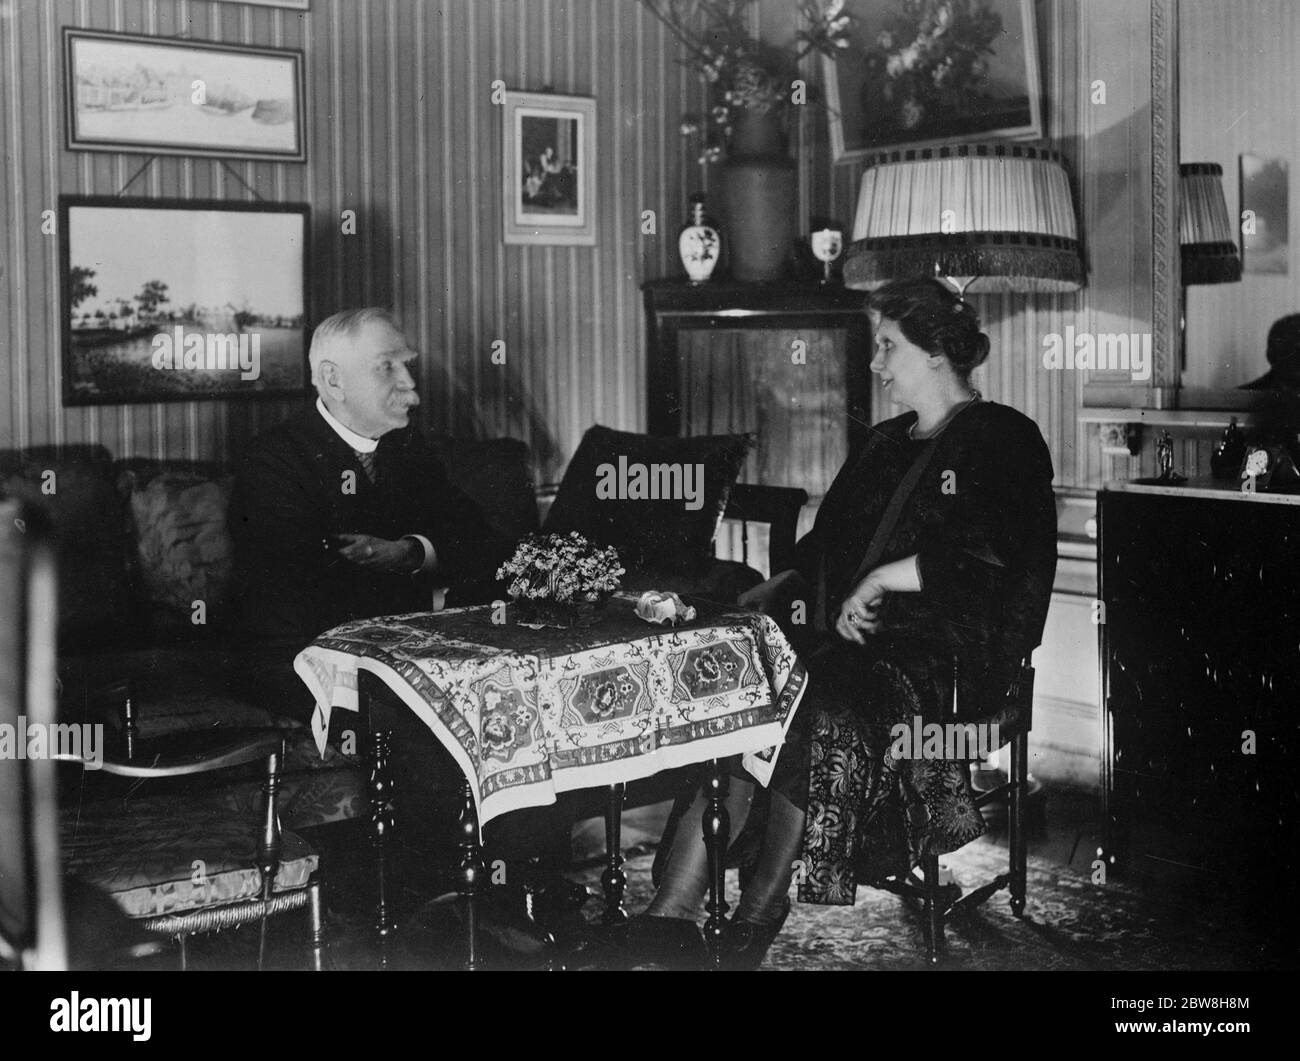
<point>528,713</point>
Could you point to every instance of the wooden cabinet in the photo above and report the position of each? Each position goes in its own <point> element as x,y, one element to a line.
<point>1201,683</point>
<point>788,361</point>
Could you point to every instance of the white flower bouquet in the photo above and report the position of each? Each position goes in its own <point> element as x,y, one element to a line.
<point>560,579</point>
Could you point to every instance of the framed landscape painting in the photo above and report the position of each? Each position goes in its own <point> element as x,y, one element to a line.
<point>934,73</point>
<point>178,300</point>
<point>163,97</point>
<point>549,177</point>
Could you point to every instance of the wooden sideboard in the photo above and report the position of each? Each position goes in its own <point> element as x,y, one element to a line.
<point>1200,656</point>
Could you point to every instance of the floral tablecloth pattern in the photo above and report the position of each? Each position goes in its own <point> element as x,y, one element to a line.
<point>528,714</point>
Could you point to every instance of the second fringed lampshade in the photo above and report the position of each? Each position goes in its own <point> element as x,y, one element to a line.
<point>1000,214</point>
<point>1206,237</point>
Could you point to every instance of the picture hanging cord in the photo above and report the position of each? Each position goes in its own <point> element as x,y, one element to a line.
<point>235,173</point>
<point>225,165</point>
<point>137,175</point>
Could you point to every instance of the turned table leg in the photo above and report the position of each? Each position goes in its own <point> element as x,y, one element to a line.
<point>470,875</point>
<point>614,880</point>
<point>1016,820</point>
<point>717,825</point>
<point>383,817</point>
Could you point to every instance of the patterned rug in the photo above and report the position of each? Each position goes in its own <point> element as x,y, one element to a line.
<point>1069,923</point>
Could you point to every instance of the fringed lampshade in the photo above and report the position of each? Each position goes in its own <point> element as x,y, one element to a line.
<point>1206,235</point>
<point>999,215</point>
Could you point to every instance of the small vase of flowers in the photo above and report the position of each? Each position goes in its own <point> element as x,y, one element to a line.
<point>560,580</point>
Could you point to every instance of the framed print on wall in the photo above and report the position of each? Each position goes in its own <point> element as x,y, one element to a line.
<point>934,72</point>
<point>179,300</point>
<point>170,97</point>
<point>549,176</point>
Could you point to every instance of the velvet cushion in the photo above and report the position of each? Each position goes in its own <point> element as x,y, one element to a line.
<point>494,473</point>
<point>657,533</point>
<point>154,858</point>
<point>183,551</point>
<point>76,487</point>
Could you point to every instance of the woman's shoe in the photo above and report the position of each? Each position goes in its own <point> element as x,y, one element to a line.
<point>745,944</point>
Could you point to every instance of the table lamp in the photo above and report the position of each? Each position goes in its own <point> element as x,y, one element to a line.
<point>990,217</point>
<point>1207,240</point>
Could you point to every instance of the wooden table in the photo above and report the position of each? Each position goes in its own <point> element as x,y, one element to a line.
<point>528,714</point>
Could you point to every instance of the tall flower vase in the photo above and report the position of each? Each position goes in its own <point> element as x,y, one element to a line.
<point>759,198</point>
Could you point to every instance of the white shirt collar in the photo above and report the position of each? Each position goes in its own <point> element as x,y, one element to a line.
<point>358,442</point>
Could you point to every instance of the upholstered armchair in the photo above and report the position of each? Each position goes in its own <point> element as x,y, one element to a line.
<point>179,864</point>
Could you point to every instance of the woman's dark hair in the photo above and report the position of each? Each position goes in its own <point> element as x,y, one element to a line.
<point>931,316</point>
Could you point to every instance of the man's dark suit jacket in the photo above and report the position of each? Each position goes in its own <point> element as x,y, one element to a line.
<point>291,495</point>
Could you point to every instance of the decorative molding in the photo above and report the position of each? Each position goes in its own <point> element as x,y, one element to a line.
<point>1165,262</point>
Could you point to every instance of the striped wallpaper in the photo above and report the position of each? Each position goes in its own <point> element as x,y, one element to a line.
<point>401,128</point>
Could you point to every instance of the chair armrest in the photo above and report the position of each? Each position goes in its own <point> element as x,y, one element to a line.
<point>779,508</point>
<point>255,748</point>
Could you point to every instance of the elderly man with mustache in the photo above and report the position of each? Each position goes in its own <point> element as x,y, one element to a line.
<point>344,512</point>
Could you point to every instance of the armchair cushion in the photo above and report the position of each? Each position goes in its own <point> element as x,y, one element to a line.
<point>648,533</point>
<point>183,551</point>
<point>494,473</point>
<point>153,860</point>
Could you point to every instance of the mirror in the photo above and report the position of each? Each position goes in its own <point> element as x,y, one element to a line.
<point>1237,96</point>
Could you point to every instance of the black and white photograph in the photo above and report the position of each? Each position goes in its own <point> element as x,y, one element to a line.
<point>182,97</point>
<point>164,303</point>
<point>687,486</point>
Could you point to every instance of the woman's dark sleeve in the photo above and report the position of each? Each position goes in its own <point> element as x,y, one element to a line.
<point>1002,522</point>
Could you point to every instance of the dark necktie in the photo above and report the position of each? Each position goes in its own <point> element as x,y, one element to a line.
<point>367,463</point>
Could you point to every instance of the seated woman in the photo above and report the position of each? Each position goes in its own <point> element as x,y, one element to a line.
<point>933,554</point>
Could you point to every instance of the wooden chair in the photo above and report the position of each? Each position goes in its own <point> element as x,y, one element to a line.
<point>179,867</point>
<point>1013,716</point>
